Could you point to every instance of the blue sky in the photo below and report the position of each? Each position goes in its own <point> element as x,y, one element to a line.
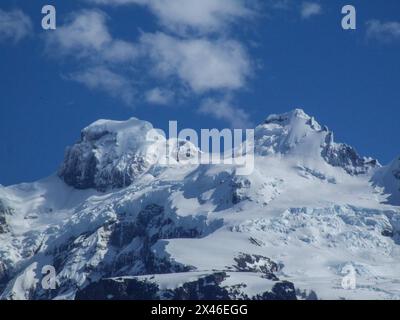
<point>225,63</point>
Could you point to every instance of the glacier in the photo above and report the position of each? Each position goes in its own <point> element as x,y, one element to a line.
<point>117,224</point>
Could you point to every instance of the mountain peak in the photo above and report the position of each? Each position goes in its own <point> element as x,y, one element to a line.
<point>296,116</point>
<point>296,113</point>
<point>298,134</point>
<point>112,154</point>
<point>132,127</point>
<point>109,154</point>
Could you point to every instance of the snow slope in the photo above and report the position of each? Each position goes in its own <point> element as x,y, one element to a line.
<point>311,210</point>
<point>389,179</point>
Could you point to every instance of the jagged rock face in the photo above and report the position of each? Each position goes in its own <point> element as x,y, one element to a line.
<point>3,275</point>
<point>256,263</point>
<point>119,289</point>
<point>110,154</point>
<point>4,212</point>
<point>239,188</point>
<point>145,229</point>
<point>3,224</point>
<point>346,157</point>
<point>281,291</point>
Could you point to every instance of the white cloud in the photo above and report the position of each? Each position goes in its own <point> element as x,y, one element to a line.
<point>309,9</point>
<point>86,35</point>
<point>14,25</point>
<point>102,59</point>
<point>224,110</point>
<point>203,16</point>
<point>201,64</point>
<point>159,96</point>
<point>193,53</point>
<point>383,31</point>
<point>101,78</point>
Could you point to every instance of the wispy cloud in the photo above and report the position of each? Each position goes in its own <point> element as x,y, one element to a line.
<point>14,25</point>
<point>101,78</point>
<point>85,35</point>
<point>101,57</point>
<point>310,9</point>
<point>159,96</point>
<point>383,31</point>
<point>226,111</point>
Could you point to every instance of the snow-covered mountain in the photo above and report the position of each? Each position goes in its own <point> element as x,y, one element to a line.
<point>117,224</point>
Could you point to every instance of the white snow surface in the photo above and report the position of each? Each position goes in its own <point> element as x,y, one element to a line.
<point>309,216</point>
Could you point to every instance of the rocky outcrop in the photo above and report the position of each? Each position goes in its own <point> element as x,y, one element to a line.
<point>107,156</point>
<point>3,224</point>
<point>257,263</point>
<point>113,154</point>
<point>284,290</point>
<point>346,157</point>
<point>240,187</point>
<point>209,287</point>
<point>5,211</point>
<point>149,226</point>
<point>3,276</point>
<point>119,289</point>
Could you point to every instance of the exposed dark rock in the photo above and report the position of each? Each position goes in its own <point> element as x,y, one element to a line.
<point>312,296</point>
<point>3,224</point>
<point>281,291</point>
<point>3,276</point>
<point>149,226</point>
<point>86,165</point>
<point>346,157</point>
<point>306,295</point>
<point>388,233</point>
<point>79,168</point>
<point>131,239</point>
<point>256,242</point>
<point>4,212</point>
<point>256,263</point>
<point>239,190</point>
<point>205,288</point>
<point>119,289</point>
